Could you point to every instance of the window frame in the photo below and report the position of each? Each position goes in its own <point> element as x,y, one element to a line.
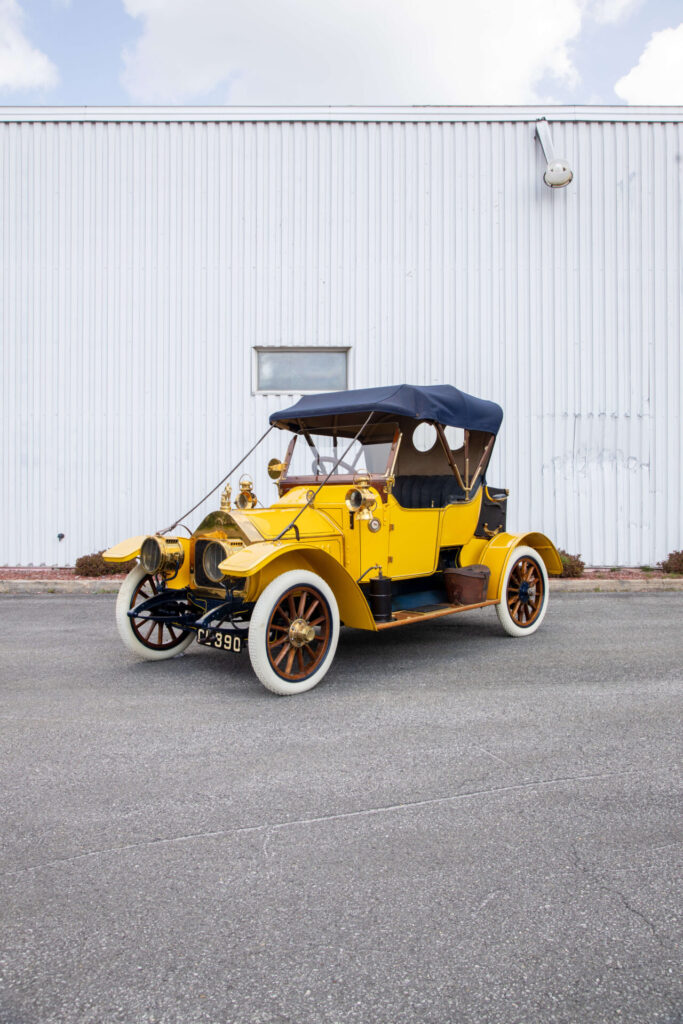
<point>257,349</point>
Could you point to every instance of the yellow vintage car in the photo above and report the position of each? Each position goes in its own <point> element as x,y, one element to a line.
<point>383,519</point>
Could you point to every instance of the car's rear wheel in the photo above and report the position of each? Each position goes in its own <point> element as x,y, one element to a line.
<point>524,598</point>
<point>293,633</point>
<point>153,641</point>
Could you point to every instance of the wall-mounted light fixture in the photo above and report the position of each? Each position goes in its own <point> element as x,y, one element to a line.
<point>558,172</point>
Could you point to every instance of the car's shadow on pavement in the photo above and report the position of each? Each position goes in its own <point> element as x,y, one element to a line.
<point>439,649</point>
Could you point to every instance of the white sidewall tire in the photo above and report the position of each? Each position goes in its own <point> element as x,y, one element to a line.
<point>258,624</point>
<point>125,626</point>
<point>504,617</point>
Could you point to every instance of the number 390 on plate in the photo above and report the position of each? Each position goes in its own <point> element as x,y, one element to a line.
<point>222,640</point>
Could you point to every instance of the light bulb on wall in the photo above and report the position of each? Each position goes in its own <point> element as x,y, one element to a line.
<point>558,173</point>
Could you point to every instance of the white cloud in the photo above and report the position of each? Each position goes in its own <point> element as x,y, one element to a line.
<point>350,51</point>
<point>22,66</point>
<point>608,11</point>
<point>658,75</point>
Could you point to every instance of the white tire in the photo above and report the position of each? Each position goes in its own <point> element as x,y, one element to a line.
<point>293,632</point>
<point>157,643</point>
<point>525,593</point>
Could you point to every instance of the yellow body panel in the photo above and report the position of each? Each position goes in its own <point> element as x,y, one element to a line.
<point>413,541</point>
<point>458,522</point>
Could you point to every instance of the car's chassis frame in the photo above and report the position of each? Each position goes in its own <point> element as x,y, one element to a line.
<point>176,608</point>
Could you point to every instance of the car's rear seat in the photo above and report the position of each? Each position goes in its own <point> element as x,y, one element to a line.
<point>427,491</point>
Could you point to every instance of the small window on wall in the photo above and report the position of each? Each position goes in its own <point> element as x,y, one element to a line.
<point>301,369</point>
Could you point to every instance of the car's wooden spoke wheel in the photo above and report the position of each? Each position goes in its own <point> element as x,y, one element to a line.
<point>293,632</point>
<point>153,641</point>
<point>298,633</point>
<point>158,636</point>
<point>525,592</point>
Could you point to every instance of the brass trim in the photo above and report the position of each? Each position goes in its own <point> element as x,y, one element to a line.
<point>418,616</point>
<point>361,500</point>
<point>169,555</point>
<point>489,532</point>
<point>246,498</point>
<point>301,633</point>
<point>276,469</point>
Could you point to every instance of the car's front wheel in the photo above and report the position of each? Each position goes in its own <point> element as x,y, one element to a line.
<point>153,641</point>
<point>293,632</point>
<point>524,599</point>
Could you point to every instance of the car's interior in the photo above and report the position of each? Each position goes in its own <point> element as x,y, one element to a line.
<point>427,469</point>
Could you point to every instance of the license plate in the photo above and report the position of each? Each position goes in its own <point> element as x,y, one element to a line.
<point>221,639</point>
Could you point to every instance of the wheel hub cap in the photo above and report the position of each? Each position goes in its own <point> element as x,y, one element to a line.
<point>301,633</point>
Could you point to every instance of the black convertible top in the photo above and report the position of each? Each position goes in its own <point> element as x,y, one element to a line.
<point>439,403</point>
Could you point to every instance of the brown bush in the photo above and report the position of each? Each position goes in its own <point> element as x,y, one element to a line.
<point>674,562</point>
<point>572,566</point>
<point>95,565</point>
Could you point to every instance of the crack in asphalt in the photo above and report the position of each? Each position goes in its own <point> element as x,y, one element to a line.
<point>270,827</point>
<point>612,890</point>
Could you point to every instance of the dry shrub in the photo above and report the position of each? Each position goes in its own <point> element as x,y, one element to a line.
<point>95,565</point>
<point>674,562</point>
<point>572,566</point>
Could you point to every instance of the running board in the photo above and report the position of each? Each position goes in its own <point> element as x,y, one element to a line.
<point>430,611</point>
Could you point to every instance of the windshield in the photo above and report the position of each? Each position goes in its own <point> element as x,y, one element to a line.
<point>315,455</point>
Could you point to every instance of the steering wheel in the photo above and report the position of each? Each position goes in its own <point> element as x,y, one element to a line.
<point>318,463</point>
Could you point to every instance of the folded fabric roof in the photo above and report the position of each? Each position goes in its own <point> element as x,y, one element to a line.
<point>440,403</point>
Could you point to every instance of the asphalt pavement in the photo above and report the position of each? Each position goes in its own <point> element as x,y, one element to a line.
<point>455,826</point>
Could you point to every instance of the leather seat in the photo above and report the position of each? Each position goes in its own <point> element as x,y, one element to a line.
<point>427,491</point>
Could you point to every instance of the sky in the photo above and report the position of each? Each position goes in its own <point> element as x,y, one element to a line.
<point>340,52</point>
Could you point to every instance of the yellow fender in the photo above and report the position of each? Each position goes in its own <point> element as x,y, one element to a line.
<point>496,554</point>
<point>124,551</point>
<point>262,562</point>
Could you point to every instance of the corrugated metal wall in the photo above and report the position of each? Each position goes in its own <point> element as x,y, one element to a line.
<point>142,262</point>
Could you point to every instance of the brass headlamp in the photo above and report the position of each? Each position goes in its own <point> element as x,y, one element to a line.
<point>161,554</point>
<point>360,500</point>
<point>214,554</point>
<point>246,498</point>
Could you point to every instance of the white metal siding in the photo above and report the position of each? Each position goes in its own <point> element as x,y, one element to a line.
<point>142,261</point>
